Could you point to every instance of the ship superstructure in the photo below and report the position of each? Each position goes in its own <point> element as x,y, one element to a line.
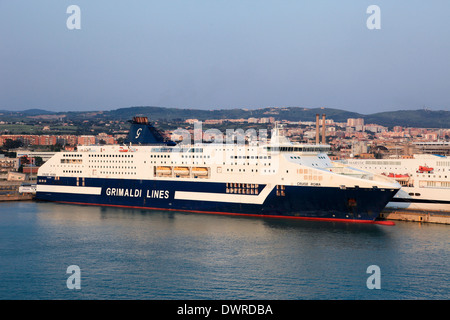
<point>276,179</point>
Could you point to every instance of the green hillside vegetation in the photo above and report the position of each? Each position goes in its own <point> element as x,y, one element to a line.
<point>405,118</point>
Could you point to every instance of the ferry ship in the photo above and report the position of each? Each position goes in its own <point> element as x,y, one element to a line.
<point>266,179</point>
<point>425,180</point>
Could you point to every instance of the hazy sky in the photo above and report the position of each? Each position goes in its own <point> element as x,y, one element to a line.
<point>211,54</point>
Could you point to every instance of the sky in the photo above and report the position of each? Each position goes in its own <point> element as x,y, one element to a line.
<point>219,54</point>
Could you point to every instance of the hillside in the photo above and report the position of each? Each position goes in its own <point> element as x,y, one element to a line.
<point>405,118</point>
<point>411,118</point>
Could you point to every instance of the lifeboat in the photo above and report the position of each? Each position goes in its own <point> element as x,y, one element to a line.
<point>181,170</point>
<point>394,175</point>
<point>424,169</point>
<point>201,171</point>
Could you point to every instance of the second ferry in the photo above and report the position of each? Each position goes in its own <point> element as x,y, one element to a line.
<point>275,179</point>
<point>425,180</point>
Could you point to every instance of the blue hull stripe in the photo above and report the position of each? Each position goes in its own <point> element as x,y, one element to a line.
<point>303,202</point>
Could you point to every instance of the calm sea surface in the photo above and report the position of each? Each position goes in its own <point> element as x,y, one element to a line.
<point>136,254</point>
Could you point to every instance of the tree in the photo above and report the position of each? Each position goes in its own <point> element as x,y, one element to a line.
<point>12,144</point>
<point>57,147</point>
<point>38,161</point>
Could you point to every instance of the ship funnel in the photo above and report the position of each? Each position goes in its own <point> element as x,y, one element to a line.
<point>144,133</point>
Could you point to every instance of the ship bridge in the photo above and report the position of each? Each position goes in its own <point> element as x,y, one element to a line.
<point>280,143</point>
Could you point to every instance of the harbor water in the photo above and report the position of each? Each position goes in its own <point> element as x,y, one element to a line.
<point>140,254</point>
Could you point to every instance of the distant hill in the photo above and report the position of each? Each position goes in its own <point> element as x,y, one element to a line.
<point>411,118</point>
<point>29,112</point>
<point>289,113</point>
<point>405,118</point>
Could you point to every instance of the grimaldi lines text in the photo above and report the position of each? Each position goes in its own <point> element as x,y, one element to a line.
<point>275,179</point>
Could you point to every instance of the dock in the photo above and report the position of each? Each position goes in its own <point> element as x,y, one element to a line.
<point>416,216</point>
<point>9,191</point>
<point>16,197</point>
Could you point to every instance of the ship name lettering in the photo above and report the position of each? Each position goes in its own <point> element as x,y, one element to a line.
<point>121,192</point>
<point>159,194</point>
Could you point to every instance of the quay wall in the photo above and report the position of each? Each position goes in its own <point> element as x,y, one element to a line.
<point>416,216</point>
